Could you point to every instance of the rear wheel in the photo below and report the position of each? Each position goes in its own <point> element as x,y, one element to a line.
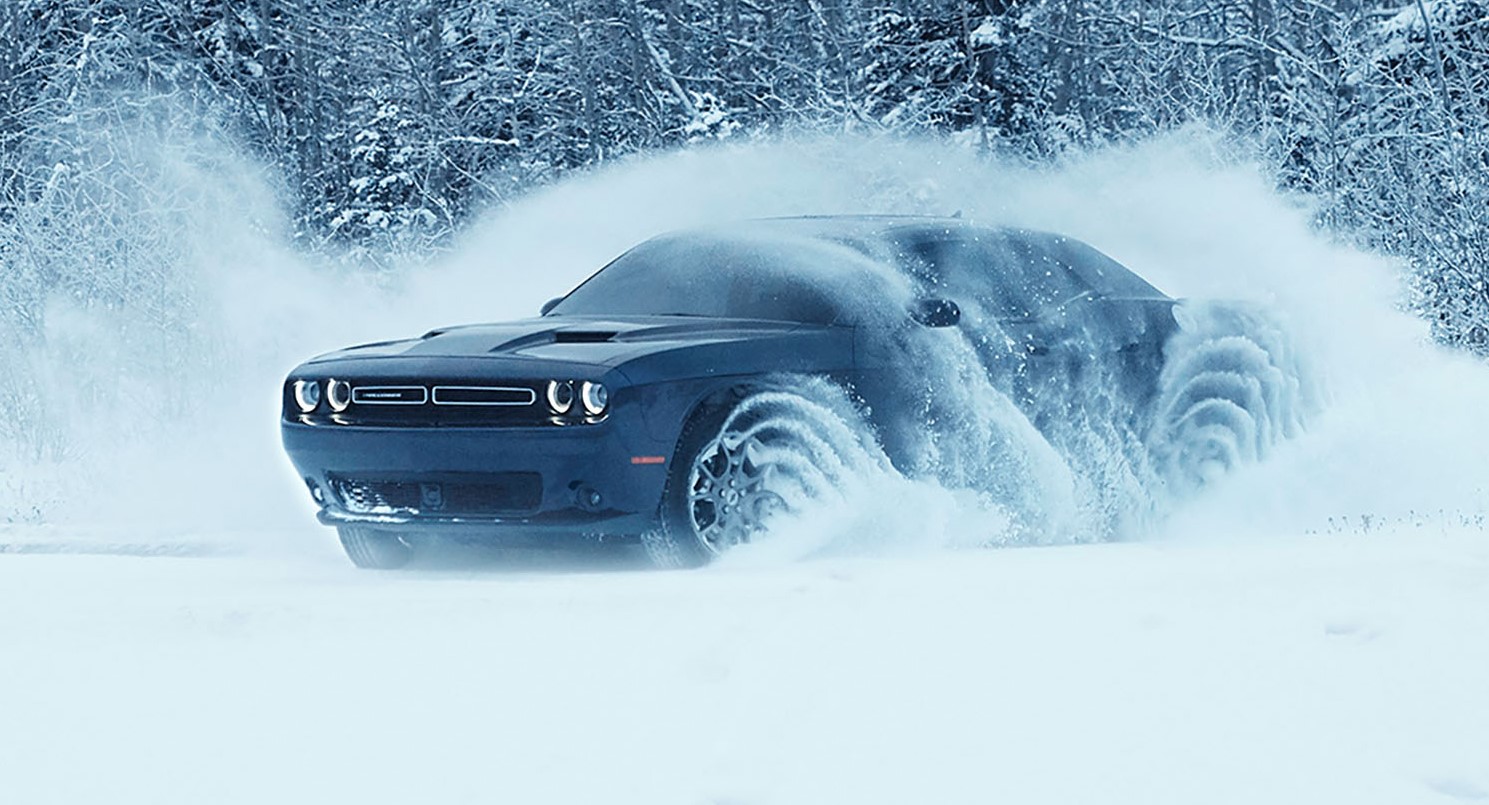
<point>1232,388</point>
<point>373,549</point>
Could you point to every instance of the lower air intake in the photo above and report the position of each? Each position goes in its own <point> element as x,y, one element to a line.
<point>507,493</point>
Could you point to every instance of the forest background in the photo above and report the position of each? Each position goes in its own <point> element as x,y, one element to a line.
<point>386,125</point>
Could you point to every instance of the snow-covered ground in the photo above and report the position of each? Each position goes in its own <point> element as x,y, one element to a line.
<point>1323,669</point>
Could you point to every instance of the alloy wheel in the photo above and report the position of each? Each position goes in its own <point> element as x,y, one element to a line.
<point>731,492</point>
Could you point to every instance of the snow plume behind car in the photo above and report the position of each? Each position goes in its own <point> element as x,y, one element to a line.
<point>176,431</point>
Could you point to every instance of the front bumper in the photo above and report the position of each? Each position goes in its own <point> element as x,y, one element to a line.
<point>602,479</point>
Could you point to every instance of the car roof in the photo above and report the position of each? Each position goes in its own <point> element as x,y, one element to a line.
<point>1094,267</point>
<point>853,226</point>
<point>867,227</point>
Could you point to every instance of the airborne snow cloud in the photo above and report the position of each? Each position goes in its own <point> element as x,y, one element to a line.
<point>192,441</point>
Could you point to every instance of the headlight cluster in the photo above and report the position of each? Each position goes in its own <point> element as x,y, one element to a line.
<point>308,395</point>
<point>560,397</point>
<point>338,394</point>
<point>594,398</point>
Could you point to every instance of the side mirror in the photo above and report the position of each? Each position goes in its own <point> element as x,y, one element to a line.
<point>550,305</point>
<point>936,312</point>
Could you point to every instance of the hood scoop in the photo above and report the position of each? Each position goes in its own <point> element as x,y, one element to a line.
<point>583,336</point>
<point>545,337</point>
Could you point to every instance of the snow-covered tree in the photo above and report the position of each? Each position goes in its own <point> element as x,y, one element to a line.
<point>392,121</point>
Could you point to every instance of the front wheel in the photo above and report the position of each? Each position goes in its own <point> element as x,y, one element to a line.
<point>739,465</point>
<point>373,549</point>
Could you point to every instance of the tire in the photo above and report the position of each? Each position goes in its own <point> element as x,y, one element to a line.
<point>742,461</point>
<point>372,549</point>
<point>1232,388</point>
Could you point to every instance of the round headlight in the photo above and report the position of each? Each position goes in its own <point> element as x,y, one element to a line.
<point>595,397</point>
<point>307,395</point>
<point>560,396</point>
<point>338,394</point>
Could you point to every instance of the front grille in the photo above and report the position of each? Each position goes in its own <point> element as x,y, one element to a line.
<point>505,493</point>
<point>483,395</point>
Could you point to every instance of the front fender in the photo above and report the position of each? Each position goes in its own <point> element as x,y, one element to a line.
<point>671,384</point>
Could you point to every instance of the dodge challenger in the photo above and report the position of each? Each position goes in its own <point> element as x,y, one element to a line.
<point>630,408</point>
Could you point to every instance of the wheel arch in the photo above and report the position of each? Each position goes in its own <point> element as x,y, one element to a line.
<point>713,400</point>
<point>725,392</point>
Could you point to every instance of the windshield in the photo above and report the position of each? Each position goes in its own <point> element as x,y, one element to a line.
<point>735,275</point>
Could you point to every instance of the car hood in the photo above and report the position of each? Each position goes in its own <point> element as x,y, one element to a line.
<point>589,340</point>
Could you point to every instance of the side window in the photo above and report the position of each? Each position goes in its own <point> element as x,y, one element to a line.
<point>776,295</point>
<point>1011,277</point>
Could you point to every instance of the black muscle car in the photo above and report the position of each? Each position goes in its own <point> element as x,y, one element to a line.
<point>675,397</point>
